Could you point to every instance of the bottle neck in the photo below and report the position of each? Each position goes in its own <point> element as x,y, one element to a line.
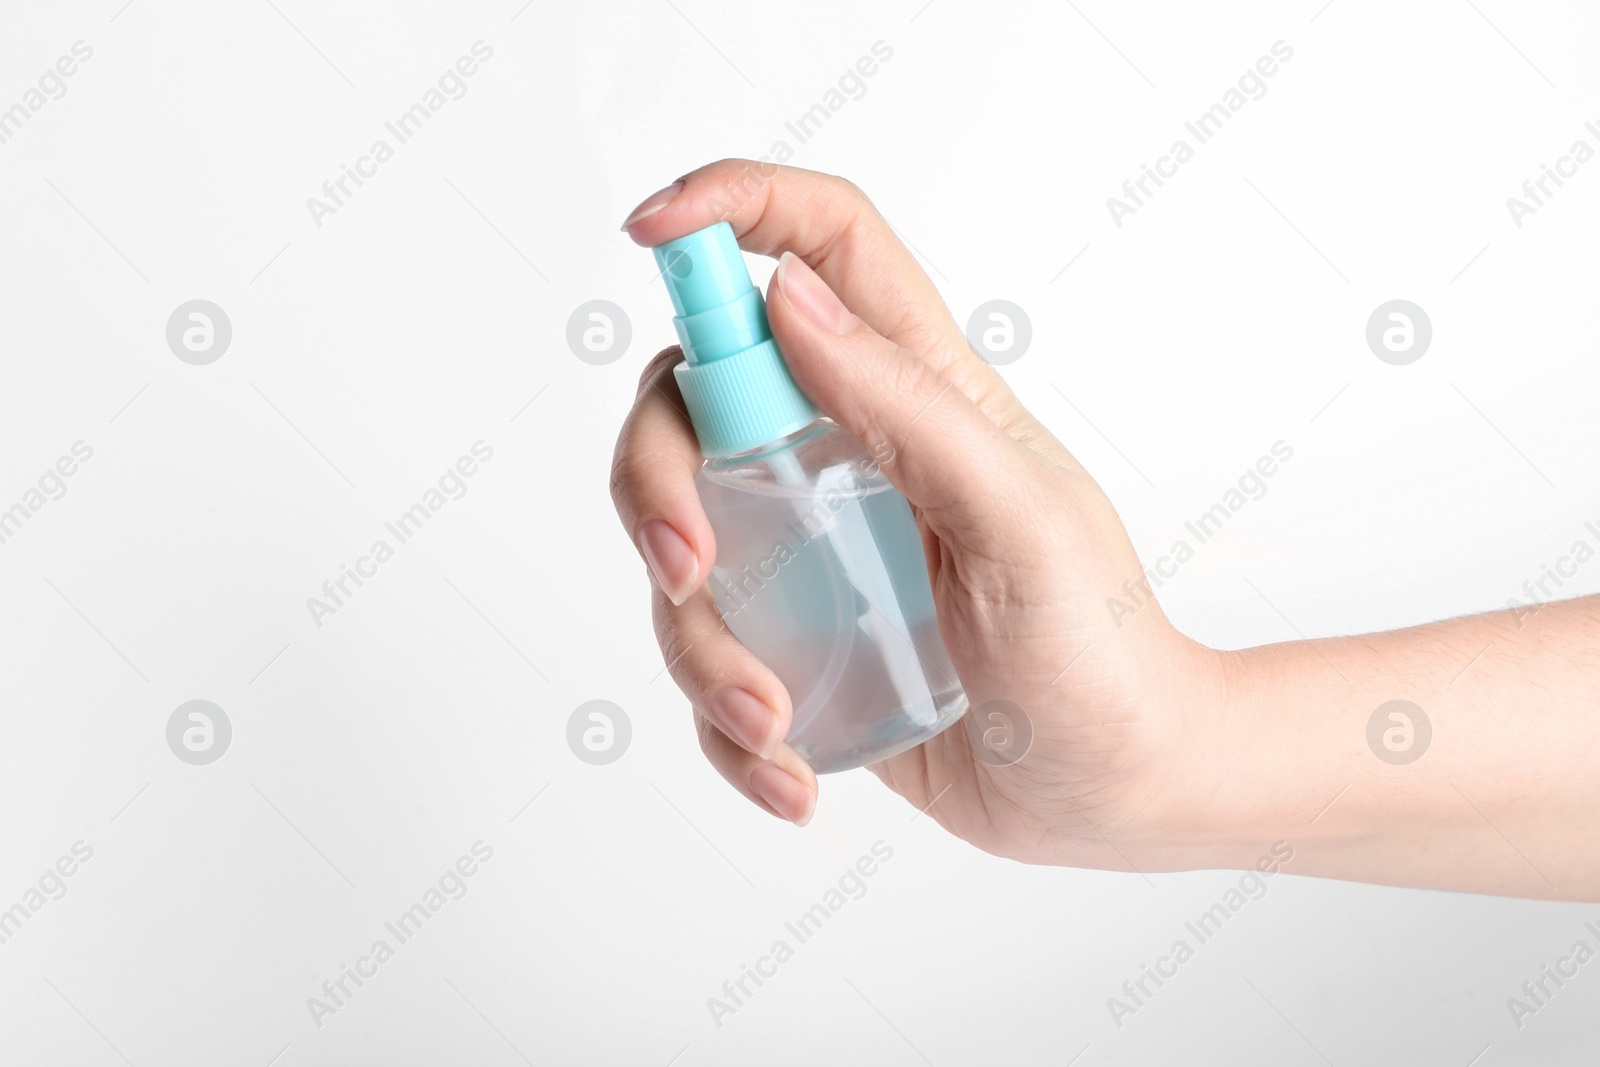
<point>743,401</point>
<point>779,446</point>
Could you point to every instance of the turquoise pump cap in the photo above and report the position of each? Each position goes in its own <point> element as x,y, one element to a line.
<point>733,378</point>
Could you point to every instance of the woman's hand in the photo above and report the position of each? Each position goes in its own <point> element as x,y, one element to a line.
<point>1148,751</point>
<point>1023,549</point>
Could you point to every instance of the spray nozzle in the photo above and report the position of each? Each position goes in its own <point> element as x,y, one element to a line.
<point>703,270</point>
<point>733,378</point>
<point>719,311</point>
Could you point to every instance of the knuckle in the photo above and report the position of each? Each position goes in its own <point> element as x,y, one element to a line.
<point>853,191</point>
<point>736,168</point>
<point>659,364</point>
<point>670,633</point>
<point>708,736</point>
<point>639,478</point>
<point>854,198</point>
<point>624,473</point>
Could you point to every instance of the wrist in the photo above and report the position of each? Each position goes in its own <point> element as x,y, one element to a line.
<point>1282,760</point>
<point>1404,758</point>
<point>1240,787</point>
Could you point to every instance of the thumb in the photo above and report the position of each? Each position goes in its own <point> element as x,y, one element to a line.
<point>932,441</point>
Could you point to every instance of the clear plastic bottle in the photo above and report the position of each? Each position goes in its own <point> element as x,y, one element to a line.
<point>820,568</point>
<point>820,572</point>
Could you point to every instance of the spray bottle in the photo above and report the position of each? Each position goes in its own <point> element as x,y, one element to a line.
<point>820,568</point>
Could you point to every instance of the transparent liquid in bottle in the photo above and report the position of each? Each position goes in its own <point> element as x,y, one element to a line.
<point>820,572</point>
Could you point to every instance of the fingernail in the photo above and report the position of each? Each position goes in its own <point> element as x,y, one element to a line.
<point>745,718</point>
<point>811,297</point>
<point>783,791</point>
<point>670,558</point>
<point>654,203</point>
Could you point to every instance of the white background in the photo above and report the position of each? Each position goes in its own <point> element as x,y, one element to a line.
<point>369,353</point>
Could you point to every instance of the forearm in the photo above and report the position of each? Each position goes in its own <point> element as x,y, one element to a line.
<point>1503,798</point>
